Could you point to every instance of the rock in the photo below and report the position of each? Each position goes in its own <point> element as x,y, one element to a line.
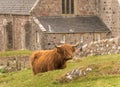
<point>2,67</point>
<point>69,77</point>
<point>89,69</point>
<point>74,74</point>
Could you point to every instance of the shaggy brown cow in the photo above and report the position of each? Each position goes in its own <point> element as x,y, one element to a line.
<point>46,60</point>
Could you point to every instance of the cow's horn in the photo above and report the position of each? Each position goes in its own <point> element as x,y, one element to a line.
<point>77,44</point>
<point>57,46</point>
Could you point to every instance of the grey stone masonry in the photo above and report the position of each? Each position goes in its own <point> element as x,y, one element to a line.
<point>54,8</point>
<point>109,12</point>
<point>107,46</point>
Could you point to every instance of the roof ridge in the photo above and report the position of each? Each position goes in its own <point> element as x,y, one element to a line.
<point>35,4</point>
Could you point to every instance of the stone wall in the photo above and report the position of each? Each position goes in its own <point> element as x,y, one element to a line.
<point>48,8</point>
<point>85,7</point>
<point>1,33</point>
<point>14,63</point>
<point>54,8</point>
<point>38,37</point>
<point>109,12</point>
<point>72,38</point>
<point>17,32</point>
<point>102,47</point>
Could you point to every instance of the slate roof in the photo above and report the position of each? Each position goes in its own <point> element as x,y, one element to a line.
<point>73,25</point>
<point>22,7</point>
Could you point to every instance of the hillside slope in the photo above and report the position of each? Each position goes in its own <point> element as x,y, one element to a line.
<point>105,73</point>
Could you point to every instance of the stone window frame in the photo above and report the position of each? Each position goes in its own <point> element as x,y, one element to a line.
<point>37,37</point>
<point>68,6</point>
<point>82,38</point>
<point>99,36</point>
<point>63,39</point>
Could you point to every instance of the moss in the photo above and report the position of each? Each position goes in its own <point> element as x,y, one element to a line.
<point>15,53</point>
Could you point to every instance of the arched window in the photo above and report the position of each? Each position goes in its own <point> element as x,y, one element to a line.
<point>9,36</point>
<point>27,34</point>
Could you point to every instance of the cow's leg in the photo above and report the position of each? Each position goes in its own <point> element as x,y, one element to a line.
<point>34,73</point>
<point>63,66</point>
<point>50,67</point>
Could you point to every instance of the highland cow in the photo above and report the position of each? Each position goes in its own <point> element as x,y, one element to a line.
<point>46,60</point>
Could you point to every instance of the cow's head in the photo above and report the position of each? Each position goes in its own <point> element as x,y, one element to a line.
<point>66,50</point>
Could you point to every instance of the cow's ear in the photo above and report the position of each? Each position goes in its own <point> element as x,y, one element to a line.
<point>73,48</point>
<point>59,49</point>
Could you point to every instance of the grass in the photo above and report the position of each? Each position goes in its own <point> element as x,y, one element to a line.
<point>104,74</point>
<point>15,53</point>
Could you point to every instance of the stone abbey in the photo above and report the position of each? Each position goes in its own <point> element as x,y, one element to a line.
<point>38,24</point>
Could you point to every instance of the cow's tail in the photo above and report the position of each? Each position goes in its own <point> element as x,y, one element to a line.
<point>34,57</point>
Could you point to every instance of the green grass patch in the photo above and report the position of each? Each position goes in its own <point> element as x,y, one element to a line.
<point>15,53</point>
<point>2,70</point>
<point>99,77</point>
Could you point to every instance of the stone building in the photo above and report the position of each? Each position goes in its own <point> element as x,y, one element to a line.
<point>38,24</point>
<point>16,24</point>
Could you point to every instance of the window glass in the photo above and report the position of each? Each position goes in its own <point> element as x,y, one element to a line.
<point>67,6</point>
